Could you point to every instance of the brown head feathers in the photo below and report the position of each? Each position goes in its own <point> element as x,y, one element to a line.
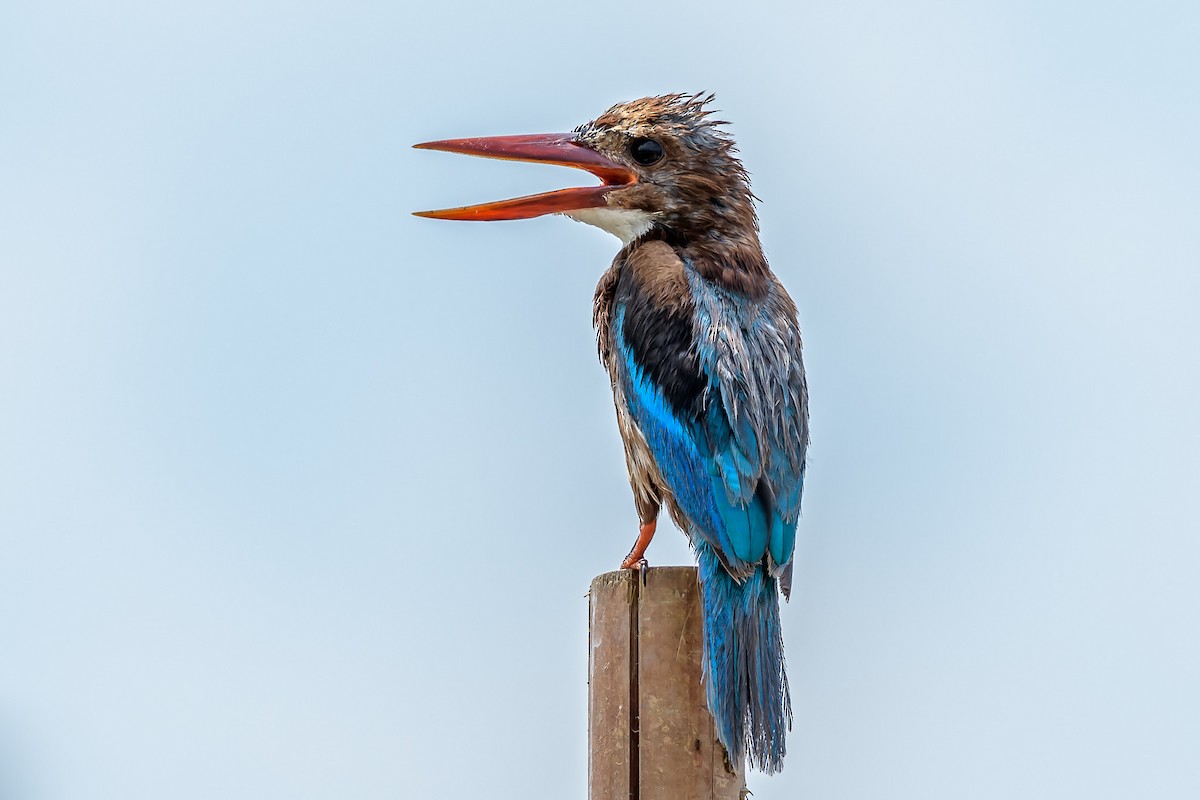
<point>691,185</point>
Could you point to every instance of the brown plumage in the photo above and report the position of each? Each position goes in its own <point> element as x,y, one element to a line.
<point>700,193</point>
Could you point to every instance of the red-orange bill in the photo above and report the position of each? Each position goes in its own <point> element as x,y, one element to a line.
<point>547,148</point>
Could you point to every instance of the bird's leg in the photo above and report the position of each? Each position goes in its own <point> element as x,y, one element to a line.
<point>636,558</point>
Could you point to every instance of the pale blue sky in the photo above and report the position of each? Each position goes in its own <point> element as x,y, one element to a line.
<point>300,495</point>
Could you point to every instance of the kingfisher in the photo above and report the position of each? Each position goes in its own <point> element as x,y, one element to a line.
<point>702,345</point>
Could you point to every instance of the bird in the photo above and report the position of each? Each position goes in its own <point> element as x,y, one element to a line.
<point>703,350</point>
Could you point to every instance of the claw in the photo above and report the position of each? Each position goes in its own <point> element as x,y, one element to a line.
<point>636,556</point>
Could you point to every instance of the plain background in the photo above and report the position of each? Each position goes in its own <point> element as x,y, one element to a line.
<point>300,495</point>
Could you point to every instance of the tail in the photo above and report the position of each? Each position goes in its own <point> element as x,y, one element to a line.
<point>743,662</point>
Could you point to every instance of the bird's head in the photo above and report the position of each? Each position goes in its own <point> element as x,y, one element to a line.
<point>663,162</point>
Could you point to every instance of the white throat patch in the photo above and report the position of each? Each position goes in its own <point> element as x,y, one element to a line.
<point>626,224</point>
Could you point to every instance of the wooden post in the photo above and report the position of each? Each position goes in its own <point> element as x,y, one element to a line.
<point>650,735</point>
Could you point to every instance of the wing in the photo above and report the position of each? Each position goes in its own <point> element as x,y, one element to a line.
<point>713,421</point>
<point>751,353</point>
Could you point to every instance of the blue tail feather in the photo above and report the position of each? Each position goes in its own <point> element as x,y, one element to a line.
<point>744,672</point>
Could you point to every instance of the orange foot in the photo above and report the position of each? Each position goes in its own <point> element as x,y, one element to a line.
<point>635,559</point>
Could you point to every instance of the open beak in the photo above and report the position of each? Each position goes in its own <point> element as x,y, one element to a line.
<point>545,148</point>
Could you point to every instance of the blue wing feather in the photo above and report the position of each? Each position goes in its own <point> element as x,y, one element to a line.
<point>749,353</point>
<point>713,471</point>
<point>672,441</point>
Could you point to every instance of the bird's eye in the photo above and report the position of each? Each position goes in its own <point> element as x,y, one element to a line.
<point>646,151</point>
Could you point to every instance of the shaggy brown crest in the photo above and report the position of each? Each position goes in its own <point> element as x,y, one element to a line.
<point>698,194</point>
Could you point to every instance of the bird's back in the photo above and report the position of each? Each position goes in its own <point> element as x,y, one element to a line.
<point>712,405</point>
<point>710,381</point>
